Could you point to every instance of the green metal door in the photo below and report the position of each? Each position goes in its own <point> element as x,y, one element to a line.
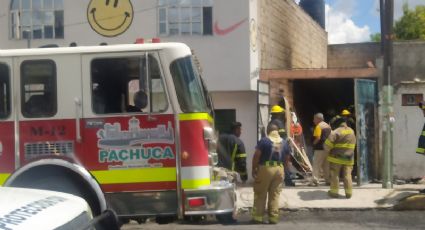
<point>366,110</point>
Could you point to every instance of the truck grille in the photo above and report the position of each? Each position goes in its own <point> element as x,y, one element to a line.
<point>57,148</point>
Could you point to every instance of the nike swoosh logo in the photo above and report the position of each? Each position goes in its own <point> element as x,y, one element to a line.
<point>221,32</point>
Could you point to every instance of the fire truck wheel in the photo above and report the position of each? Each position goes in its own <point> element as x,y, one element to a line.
<point>225,218</point>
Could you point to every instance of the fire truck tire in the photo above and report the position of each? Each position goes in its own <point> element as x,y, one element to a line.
<point>60,181</point>
<point>225,218</point>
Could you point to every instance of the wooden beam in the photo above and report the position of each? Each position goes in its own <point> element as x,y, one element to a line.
<point>318,74</point>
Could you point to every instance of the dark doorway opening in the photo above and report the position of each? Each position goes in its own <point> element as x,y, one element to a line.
<point>327,96</point>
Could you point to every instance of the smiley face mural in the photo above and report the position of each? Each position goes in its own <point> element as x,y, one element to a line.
<point>110,18</point>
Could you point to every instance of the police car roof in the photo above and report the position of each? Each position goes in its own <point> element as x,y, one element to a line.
<point>94,49</point>
<point>38,209</point>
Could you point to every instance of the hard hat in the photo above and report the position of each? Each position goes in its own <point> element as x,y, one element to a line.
<point>345,112</point>
<point>277,109</point>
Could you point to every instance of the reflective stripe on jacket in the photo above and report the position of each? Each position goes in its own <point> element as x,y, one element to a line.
<point>340,145</point>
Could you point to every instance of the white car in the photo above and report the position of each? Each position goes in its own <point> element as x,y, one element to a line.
<point>39,209</point>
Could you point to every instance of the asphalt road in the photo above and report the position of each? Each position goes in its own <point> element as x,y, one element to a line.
<point>341,220</point>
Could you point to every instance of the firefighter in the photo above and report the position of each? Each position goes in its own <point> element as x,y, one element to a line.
<point>268,172</point>
<point>345,113</point>
<point>340,148</point>
<point>231,151</point>
<point>350,121</point>
<point>278,118</point>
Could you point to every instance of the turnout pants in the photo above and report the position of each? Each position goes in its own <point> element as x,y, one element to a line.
<point>268,183</point>
<point>421,143</point>
<point>320,162</point>
<point>348,183</point>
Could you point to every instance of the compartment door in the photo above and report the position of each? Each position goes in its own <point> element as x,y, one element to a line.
<point>7,125</point>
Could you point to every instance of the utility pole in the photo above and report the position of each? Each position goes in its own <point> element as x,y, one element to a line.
<point>387,91</point>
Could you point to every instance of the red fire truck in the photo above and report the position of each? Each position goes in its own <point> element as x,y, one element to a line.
<point>126,127</point>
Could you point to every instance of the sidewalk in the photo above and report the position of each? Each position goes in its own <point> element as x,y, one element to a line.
<point>371,196</point>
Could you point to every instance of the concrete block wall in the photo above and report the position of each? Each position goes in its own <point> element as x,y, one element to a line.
<point>355,55</point>
<point>409,61</point>
<point>289,39</point>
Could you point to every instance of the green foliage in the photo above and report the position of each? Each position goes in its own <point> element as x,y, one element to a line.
<point>412,25</point>
<point>376,37</point>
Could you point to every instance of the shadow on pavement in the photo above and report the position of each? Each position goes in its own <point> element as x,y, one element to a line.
<point>313,195</point>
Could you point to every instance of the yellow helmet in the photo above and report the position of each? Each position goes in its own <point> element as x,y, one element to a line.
<point>277,109</point>
<point>345,112</point>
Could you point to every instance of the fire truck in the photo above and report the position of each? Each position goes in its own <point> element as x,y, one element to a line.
<point>126,127</point>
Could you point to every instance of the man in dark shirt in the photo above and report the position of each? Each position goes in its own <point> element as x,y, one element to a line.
<point>268,172</point>
<point>231,151</point>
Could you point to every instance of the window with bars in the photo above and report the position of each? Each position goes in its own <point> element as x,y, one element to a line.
<point>185,17</point>
<point>36,19</point>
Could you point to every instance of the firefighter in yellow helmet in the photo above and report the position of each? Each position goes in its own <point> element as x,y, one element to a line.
<point>278,119</point>
<point>268,172</point>
<point>340,146</point>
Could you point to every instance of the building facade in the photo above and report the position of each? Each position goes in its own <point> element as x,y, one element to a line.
<point>233,40</point>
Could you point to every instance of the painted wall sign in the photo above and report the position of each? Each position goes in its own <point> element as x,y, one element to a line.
<point>224,31</point>
<point>110,18</point>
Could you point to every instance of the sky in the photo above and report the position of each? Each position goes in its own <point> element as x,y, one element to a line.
<point>350,21</point>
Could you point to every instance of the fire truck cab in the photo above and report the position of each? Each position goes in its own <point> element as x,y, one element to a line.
<point>127,127</point>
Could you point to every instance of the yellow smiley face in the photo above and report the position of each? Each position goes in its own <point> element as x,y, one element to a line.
<point>110,17</point>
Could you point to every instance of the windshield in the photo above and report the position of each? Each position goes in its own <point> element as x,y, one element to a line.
<point>190,93</point>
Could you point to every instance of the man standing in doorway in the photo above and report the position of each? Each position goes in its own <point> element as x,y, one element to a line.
<point>267,170</point>
<point>340,147</point>
<point>231,151</point>
<point>320,133</point>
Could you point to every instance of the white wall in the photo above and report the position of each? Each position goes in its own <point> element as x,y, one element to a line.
<point>245,104</point>
<point>407,128</point>
<point>225,59</point>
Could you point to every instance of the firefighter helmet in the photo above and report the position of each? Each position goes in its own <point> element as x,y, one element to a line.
<point>277,109</point>
<point>345,112</point>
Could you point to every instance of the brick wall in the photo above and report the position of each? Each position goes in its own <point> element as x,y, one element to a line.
<point>289,39</point>
<point>356,55</point>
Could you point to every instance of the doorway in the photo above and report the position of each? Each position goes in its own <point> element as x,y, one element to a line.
<point>330,97</point>
<point>327,96</point>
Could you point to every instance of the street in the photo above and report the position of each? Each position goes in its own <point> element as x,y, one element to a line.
<point>364,219</point>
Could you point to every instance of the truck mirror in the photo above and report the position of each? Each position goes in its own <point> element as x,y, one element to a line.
<point>140,99</point>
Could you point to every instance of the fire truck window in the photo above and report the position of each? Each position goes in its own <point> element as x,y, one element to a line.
<point>4,91</point>
<point>187,81</point>
<point>120,85</point>
<point>38,89</point>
